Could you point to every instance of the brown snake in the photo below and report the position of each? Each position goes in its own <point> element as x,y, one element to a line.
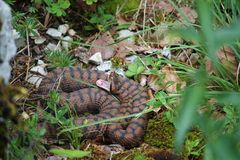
<point>84,98</point>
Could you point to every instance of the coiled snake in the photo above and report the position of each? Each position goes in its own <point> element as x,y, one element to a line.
<point>74,88</point>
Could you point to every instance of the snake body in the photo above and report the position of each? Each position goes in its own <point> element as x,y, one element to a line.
<point>75,88</point>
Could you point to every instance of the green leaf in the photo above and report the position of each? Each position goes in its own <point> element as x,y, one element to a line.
<point>232,98</point>
<point>192,98</point>
<point>64,4</point>
<point>134,69</point>
<point>70,153</point>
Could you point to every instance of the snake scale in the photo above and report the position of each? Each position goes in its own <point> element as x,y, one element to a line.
<point>129,98</point>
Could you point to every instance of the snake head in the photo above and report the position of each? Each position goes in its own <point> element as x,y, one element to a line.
<point>114,83</point>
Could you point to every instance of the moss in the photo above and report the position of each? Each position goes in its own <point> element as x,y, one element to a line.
<point>160,132</point>
<point>146,153</point>
<point>127,5</point>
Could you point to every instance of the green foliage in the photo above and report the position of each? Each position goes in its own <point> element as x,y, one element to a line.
<point>57,7</point>
<point>127,6</point>
<point>60,59</point>
<point>26,139</point>
<point>141,157</point>
<point>70,153</point>
<point>62,117</point>
<point>10,1</point>
<point>25,25</point>
<point>221,133</point>
<point>100,20</point>
<point>90,2</point>
<point>135,69</point>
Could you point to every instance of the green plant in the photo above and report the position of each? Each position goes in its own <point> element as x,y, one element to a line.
<point>90,2</point>
<point>60,59</point>
<point>219,144</point>
<point>10,1</point>
<point>135,68</point>
<point>63,118</point>
<point>57,7</point>
<point>25,25</point>
<point>100,20</point>
<point>26,138</point>
<point>70,153</point>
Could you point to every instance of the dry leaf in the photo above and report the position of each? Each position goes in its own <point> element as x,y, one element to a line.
<point>171,79</point>
<point>189,13</point>
<point>153,83</point>
<point>82,54</point>
<point>102,45</point>
<point>164,5</point>
<point>227,59</point>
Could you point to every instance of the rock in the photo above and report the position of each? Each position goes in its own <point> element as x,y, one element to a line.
<point>120,72</point>
<point>7,45</point>
<point>54,33</point>
<point>131,59</point>
<point>63,28</point>
<point>105,66</point>
<point>16,34</point>
<point>166,52</point>
<point>66,42</point>
<point>37,73</point>
<point>52,47</point>
<point>39,40</point>
<point>96,58</point>
<point>126,33</point>
<point>71,32</point>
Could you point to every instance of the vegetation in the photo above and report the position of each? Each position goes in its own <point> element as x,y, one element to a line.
<point>194,105</point>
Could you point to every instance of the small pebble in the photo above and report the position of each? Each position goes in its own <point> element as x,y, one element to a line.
<point>71,32</point>
<point>66,42</point>
<point>39,40</point>
<point>105,66</point>
<point>63,28</point>
<point>54,33</point>
<point>96,58</point>
<point>52,47</point>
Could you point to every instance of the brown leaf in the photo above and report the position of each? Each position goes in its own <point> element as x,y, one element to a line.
<point>153,82</point>
<point>102,45</point>
<point>165,6</point>
<point>227,59</point>
<point>171,79</point>
<point>189,13</point>
<point>82,54</point>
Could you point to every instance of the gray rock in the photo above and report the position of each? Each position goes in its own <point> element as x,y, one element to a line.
<point>66,42</point>
<point>54,33</point>
<point>96,58</point>
<point>63,28</point>
<point>7,45</point>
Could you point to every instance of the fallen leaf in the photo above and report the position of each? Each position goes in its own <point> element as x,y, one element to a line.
<point>171,79</point>
<point>82,54</point>
<point>227,59</point>
<point>189,13</point>
<point>102,45</point>
<point>164,5</point>
<point>153,83</point>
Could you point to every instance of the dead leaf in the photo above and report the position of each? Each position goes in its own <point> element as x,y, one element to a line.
<point>228,60</point>
<point>153,82</point>
<point>82,54</point>
<point>127,45</point>
<point>102,45</point>
<point>164,5</point>
<point>189,13</point>
<point>171,79</point>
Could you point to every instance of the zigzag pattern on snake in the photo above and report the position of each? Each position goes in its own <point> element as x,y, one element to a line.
<point>73,84</point>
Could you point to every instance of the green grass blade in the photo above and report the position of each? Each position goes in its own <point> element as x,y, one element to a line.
<point>70,153</point>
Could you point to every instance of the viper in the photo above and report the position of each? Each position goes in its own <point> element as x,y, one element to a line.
<point>77,87</point>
